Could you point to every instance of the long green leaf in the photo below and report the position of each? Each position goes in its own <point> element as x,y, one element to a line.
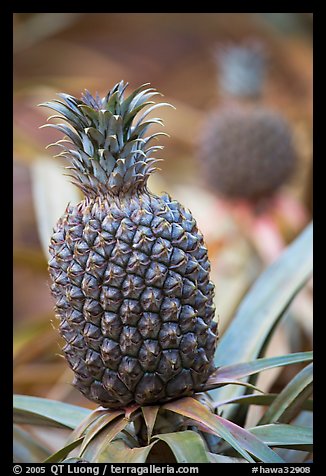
<point>85,424</point>
<point>99,444</point>
<point>217,382</point>
<point>97,426</point>
<point>304,419</point>
<point>74,460</point>
<point>240,439</point>
<point>253,445</point>
<point>63,452</point>
<point>119,452</point>
<point>214,458</point>
<point>289,401</point>
<point>26,449</point>
<point>263,307</point>
<point>42,411</point>
<point>196,411</point>
<point>266,400</point>
<point>187,446</point>
<point>236,371</point>
<point>284,435</point>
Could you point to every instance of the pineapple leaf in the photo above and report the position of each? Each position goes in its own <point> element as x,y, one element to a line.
<point>66,112</point>
<point>101,422</point>
<point>98,171</point>
<point>63,452</point>
<point>73,460</point>
<point>99,444</point>
<point>265,400</point>
<point>111,143</point>
<point>118,129</point>
<point>187,446</point>
<point>107,160</point>
<point>42,411</point>
<point>142,128</point>
<point>120,167</point>
<point>289,402</point>
<point>283,435</point>
<point>85,423</point>
<point>103,121</point>
<point>103,432</point>
<point>250,442</point>
<point>263,307</point>
<point>26,449</point>
<point>130,148</point>
<point>150,414</point>
<point>220,382</point>
<point>119,452</point>
<point>150,109</point>
<point>87,145</point>
<point>97,124</point>
<point>214,458</point>
<point>113,103</point>
<point>90,113</point>
<point>125,106</point>
<point>241,370</point>
<point>95,135</point>
<point>241,440</point>
<point>142,97</point>
<point>131,115</point>
<point>115,181</point>
<point>67,131</point>
<point>72,102</point>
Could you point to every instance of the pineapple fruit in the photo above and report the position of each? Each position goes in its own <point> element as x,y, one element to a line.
<point>129,269</point>
<point>246,153</point>
<point>246,150</point>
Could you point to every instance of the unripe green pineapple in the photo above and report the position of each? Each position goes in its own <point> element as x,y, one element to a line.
<point>129,269</point>
<point>245,150</point>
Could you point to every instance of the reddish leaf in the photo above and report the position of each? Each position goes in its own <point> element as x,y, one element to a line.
<point>150,414</point>
<point>239,438</point>
<point>80,429</point>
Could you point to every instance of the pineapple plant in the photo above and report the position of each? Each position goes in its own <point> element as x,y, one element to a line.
<point>129,269</point>
<point>119,314</point>
<point>209,426</point>
<point>246,150</point>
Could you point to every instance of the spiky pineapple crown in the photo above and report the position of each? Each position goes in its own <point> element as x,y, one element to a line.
<point>105,143</point>
<point>241,68</point>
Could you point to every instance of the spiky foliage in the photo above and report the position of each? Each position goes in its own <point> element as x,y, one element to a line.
<point>246,152</point>
<point>241,68</point>
<point>130,269</point>
<point>106,147</point>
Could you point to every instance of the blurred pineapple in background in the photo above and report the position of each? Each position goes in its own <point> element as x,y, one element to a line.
<point>247,151</point>
<point>94,50</point>
<point>247,155</point>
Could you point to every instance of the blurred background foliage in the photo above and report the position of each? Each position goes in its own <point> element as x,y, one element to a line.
<point>68,52</point>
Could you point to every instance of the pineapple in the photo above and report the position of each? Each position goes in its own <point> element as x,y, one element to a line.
<point>246,153</point>
<point>246,150</point>
<point>206,427</point>
<point>129,269</point>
